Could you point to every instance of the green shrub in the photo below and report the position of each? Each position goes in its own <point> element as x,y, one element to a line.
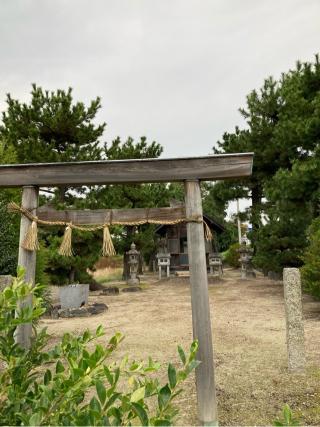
<point>287,418</point>
<point>231,256</point>
<point>310,272</point>
<point>75,382</point>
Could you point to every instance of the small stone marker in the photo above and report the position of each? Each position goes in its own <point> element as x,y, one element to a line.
<point>86,311</point>
<point>110,290</point>
<point>294,319</point>
<point>132,289</point>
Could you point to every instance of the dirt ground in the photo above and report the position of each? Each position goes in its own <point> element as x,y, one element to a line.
<point>248,326</point>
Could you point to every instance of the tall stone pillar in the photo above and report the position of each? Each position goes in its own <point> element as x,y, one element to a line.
<point>294,319</point>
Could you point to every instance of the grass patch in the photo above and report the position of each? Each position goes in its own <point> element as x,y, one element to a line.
<point>109,275</point>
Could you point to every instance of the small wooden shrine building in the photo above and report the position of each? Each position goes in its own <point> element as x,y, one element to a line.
<point>175,237</point>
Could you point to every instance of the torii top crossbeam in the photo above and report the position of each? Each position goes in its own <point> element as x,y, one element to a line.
<point>208,168</point>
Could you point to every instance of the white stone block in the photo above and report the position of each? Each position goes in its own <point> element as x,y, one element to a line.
<point>73,296</point>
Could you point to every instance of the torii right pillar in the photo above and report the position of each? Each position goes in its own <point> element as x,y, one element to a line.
<point>205,382</point>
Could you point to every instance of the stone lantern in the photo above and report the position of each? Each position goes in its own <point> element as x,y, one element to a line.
<point>163,261</point>
<point>163,257</point>
<point>215,263</point>
<point>246,261</point>
<point>133,265</point>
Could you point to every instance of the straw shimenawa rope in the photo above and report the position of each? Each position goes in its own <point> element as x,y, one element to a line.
<point>31,240</point>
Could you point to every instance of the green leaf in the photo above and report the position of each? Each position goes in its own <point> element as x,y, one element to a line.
<point>192,365</point>
<point>193,349</point>
<point>116,376</point>
<point>35,420</point>
<point>47,377</point>
<point>138,394</point>
<point>86,335</point>
<point>100,331</point>
<point>162,422</point>
<point>139,410</point>
<point>172,374</point>
<point>112,399</point>
<point>164,396</point>
<point>95,405</point>
<point>59,367</point>
<point>101,391</point>
<point>287,414</point>
<point>116,413</point>
<point>108,375</point>
<point>182,355</point>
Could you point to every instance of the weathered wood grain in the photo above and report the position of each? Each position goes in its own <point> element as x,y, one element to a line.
<point>100,216</point>
<point>205,381</point>
<point>209,168</point>
<point>27,260</point>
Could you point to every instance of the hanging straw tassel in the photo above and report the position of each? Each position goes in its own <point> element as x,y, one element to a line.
<point>207,232</point>
<point>66,244</point>
<point>31,242</point>
<point>107,246</point>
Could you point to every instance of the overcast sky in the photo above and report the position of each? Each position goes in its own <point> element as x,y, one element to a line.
<point>175,71</point>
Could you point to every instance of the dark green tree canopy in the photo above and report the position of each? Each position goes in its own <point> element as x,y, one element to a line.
<point>52,127</point>
<point>283,130</point>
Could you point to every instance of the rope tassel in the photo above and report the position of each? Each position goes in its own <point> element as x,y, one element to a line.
<point>31,242</point>
<point>207,232</point>
<point>66,244</point>
<point>107,246</point>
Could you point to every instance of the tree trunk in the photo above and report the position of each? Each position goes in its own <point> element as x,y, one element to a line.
<point>256,198</point>
<point>71,275</point>
<point>126,267</point>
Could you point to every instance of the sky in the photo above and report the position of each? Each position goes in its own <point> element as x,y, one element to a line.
<point>175,71</point>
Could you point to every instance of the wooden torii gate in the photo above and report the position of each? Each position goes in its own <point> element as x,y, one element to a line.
<point>188,170</point>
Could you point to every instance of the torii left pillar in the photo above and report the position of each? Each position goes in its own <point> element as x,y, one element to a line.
<point>27,260</point>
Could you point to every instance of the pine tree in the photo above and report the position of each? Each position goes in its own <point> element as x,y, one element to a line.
<point>52,127</point>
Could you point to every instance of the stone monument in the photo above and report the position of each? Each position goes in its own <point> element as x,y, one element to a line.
<point>133,262</point>
<point>73,296</point>
<point>294,319</point>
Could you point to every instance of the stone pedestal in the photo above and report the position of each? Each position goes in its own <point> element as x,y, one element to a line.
<point>73,296</point>
<point>294,319</point>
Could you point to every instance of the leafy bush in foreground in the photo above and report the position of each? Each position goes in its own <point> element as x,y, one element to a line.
<point>75,383</point>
